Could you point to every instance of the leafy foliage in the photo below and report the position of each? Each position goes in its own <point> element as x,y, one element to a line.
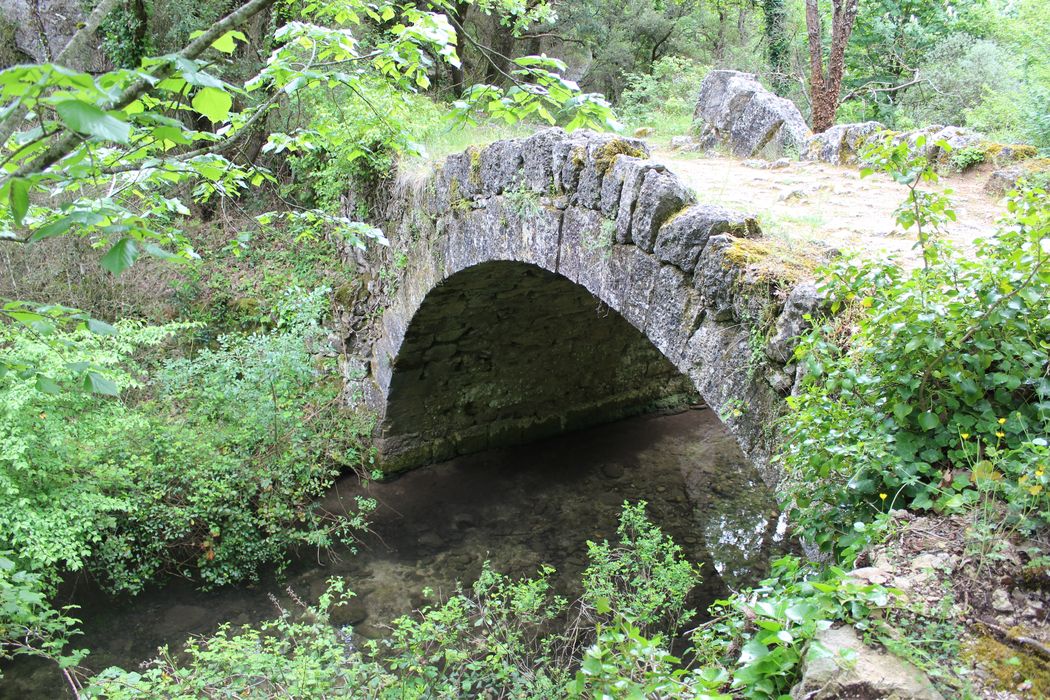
<point>207,469</point>
<point>513,638</point>
<point>643,577</point>
<point>29,626</point>
<point>929,382</point>
<point>502,636</point>
<point>664,95</point>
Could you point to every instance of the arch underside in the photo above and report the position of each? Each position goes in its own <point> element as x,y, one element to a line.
<point>505,353</point>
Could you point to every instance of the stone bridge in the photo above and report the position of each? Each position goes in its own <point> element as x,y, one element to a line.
<point>554,282</point>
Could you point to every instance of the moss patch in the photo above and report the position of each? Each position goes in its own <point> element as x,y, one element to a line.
<point>776,260</point>
<point>1007,152</point>
<point>475,165</point>
<point>605,156</point>
<point>1008,667</point>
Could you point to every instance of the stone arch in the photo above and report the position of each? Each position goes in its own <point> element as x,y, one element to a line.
<point>505,353</point>
<point>595,211</point>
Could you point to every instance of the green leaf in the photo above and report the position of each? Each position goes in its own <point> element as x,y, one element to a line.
<point>213,103</point>
<point>929,420</point>
<point>18,196</point>
<point>100,327</point>
<point>47,385</point>
<point>55,228</point>
<point>226,43</point>
<point>121,256</point>
<point>97,384</point>
<point>88,119</point>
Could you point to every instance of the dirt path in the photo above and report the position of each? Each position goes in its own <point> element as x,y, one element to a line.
<point>829,205</point>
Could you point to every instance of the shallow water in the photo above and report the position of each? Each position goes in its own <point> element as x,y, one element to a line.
<point>517,507</point>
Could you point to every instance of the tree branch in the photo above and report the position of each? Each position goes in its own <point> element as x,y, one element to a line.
<point>65,145</point>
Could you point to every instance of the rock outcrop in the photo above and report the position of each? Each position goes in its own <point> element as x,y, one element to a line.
<point>40,30</point>
<point>842,144</point>
<point>736,112</point>
<point>839,665</point>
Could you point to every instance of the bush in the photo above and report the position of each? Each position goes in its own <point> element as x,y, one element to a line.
<point>664,97</point>
<point>928,382</point>
<point>957,74</point>
<point>208,469</point>
<point>966,158</point>
<point>644,577</point>
<point>335,149</point>
<point>502,637</point>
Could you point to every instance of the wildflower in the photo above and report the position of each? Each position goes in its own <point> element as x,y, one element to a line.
<point>964,436</point>
<point>1002,421</point>
<point>1038,472</point>
<point>882,496</point>
<point>1023,478</point>
<point>999,434</point>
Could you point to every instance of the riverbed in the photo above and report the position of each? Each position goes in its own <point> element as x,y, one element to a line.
<point>518,508</point>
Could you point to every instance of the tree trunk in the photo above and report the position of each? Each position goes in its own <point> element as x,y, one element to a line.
<point>825,85</point>
<point>458,15</point>
<point>775,15</point>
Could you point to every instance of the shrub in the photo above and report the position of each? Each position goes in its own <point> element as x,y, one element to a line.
<point>643,577</point>
<point>928,381</point>
<point>501,637</point>
<point>335,149</point>
<point>966,158</point>
<point>665,95</point>
<point>208,469</point>
<point>957,73</point>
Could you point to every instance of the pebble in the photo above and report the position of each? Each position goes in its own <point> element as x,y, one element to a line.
<point>1001,601</point>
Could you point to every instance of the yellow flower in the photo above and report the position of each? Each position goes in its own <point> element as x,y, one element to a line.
<point>999,434</point>
<point>1038,472</point>
<point>1002,421</point>
<point>965,436</point>
<point>1023,478</point>
<point>883,496</point>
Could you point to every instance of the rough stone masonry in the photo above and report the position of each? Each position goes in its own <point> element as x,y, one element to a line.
<point>561,280</point>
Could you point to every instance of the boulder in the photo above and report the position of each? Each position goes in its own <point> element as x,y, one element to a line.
<point>734,110</point>
<point>803,300</point>
<point>684,143</point>
<point>957,137</point>
<point>842,144</point>
<point>839,665</point>
<point>683,237</point>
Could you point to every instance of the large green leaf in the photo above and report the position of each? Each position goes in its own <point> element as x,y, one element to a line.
<point>18,196</point>
<point>88,119</point>
<point>226,43</point>
<point>97,384</point>
<point>121,256</point>
<point>213,103</point>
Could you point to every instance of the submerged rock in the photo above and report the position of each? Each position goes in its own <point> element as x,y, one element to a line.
<point>839,665</point>
<point>735,111</point>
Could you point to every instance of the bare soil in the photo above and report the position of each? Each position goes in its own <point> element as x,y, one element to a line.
<point>829,205</point>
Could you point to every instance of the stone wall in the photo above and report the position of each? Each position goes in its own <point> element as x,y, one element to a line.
<point>612,230</point>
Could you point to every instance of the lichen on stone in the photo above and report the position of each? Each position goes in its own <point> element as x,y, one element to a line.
<point>475,165</point>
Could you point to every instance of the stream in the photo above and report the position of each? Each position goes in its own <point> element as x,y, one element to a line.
<point>516,507</point>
